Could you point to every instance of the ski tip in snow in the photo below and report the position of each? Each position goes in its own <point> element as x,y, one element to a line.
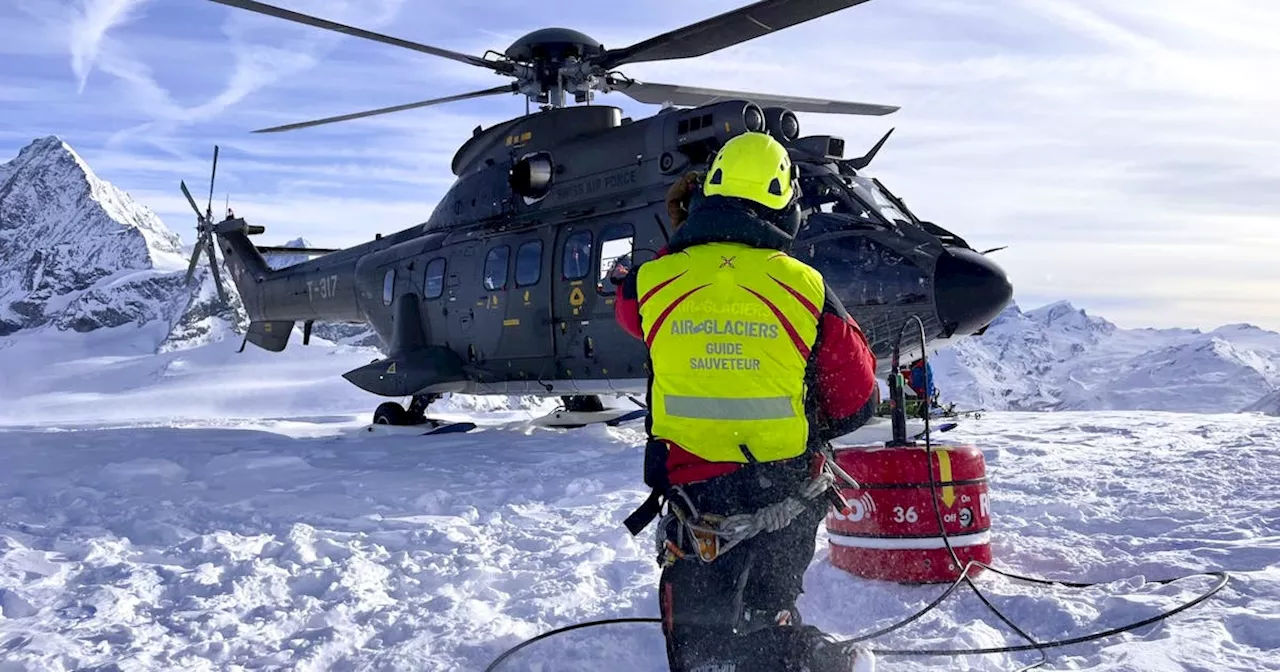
<point>572,419</point>
<point>427,429</point>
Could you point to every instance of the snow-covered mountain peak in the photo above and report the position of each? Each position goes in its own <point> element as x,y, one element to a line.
<point>1058,357</point>
<point>48,172</point>
<point>77,253</point>
<point>1241,328</point>
<point>280,260</point>
<point>1066,317</point>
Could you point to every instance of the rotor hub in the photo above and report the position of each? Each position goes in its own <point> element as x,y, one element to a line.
<point>554,45</point>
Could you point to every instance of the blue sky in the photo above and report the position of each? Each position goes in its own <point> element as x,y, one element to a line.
<point>1128,153</point>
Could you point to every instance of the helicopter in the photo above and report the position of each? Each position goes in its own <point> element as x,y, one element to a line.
<point>505,288</point>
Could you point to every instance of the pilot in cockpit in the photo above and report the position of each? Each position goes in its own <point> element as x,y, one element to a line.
<point>577,262</point>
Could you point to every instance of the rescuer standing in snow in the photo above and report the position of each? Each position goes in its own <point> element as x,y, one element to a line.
<point>755,366</point>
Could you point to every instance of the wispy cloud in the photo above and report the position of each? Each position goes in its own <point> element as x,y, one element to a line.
<point>1124,151</point>
<point>89,24</point>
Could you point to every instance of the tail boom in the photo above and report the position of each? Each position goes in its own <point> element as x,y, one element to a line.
<point>314,290</point>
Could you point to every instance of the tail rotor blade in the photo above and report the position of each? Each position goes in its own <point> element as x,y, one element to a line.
<point>195,257</point>
<point>187,192</point>
<point>213,266</point>
<point>208,211</point>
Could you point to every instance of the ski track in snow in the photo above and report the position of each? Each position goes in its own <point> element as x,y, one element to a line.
<point>311,545</point>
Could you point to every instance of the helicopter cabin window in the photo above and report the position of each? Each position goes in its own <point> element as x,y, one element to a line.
<point>433,280</point>
<point>616,247</point>
<point>577,256</point>
<point>529,263</point>
<point>388,286</point>
<point>495,268</point>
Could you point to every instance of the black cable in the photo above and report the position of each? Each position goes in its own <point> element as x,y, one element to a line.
<point>962,579</point>
<point>568,628</point>
<point>964,568</point>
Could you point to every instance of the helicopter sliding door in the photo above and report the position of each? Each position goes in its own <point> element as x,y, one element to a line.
<point>586,335</point>
<point>457,310</point>
<point>525,333</point>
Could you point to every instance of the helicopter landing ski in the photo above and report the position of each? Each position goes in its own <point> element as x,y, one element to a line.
<point>568,419</point>
<point>428,428</point>
<point>559,419</point>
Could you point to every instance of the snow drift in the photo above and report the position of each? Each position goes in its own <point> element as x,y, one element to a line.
<point>306,544</point>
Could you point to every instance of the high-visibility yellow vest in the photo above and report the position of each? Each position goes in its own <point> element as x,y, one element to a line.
<point>729,329</point>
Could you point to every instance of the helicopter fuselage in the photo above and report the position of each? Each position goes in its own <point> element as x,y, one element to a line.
<point>505,290</point>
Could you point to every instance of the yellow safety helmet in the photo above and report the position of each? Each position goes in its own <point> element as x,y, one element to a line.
<point>755,167</point>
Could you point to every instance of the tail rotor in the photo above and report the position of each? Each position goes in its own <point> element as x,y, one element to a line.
<point>205,231</point>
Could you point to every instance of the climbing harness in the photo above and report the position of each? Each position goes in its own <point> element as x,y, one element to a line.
<point>709,536</point>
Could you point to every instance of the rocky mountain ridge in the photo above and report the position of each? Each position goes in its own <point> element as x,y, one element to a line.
<point>78,254</point>
<point>1058,357</point>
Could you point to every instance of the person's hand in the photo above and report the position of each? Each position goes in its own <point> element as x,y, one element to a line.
<point>617,274</point>
<point>678,196</point>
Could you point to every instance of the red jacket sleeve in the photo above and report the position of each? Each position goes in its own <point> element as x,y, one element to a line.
<point>845,369</point>
<point>626,308</point>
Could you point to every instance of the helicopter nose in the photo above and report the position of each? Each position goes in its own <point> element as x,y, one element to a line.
<point>969,290</point>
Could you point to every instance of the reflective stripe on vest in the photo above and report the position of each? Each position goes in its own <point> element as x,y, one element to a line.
<point>729,329</point>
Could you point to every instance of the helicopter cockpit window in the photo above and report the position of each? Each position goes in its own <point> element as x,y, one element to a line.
<point>873,195</point>
<point>495,268</point>
<point>529,263</point>
<point>864,272</point>
<point>577,256</point>
<point>433,279</point>
<point>388,286</point>
<point>827,193</point>
<point>616,246</point>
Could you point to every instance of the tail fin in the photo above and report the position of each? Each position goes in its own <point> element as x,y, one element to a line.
<point>246,263</point>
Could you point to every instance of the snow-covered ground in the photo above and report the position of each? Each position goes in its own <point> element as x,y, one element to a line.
<point>301,542</point>
<point>169,503</point>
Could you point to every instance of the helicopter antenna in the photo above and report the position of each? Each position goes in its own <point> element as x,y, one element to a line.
<point>548,64</point>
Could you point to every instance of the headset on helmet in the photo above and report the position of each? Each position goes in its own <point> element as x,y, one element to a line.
<point>757,168</point>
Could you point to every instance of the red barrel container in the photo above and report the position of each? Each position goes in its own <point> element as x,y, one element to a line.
<point>890,531</point>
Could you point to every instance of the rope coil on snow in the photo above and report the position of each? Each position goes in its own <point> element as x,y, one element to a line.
<point>1221,580</point>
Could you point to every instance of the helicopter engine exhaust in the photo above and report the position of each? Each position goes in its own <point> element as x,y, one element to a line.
<point>782,124</point>
<point>531,176</point>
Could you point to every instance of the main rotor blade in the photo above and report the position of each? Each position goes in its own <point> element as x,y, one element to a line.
<point>696,95</point>
<point>716,33</point>
<point>269,10</point>
<point>505,88</point>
